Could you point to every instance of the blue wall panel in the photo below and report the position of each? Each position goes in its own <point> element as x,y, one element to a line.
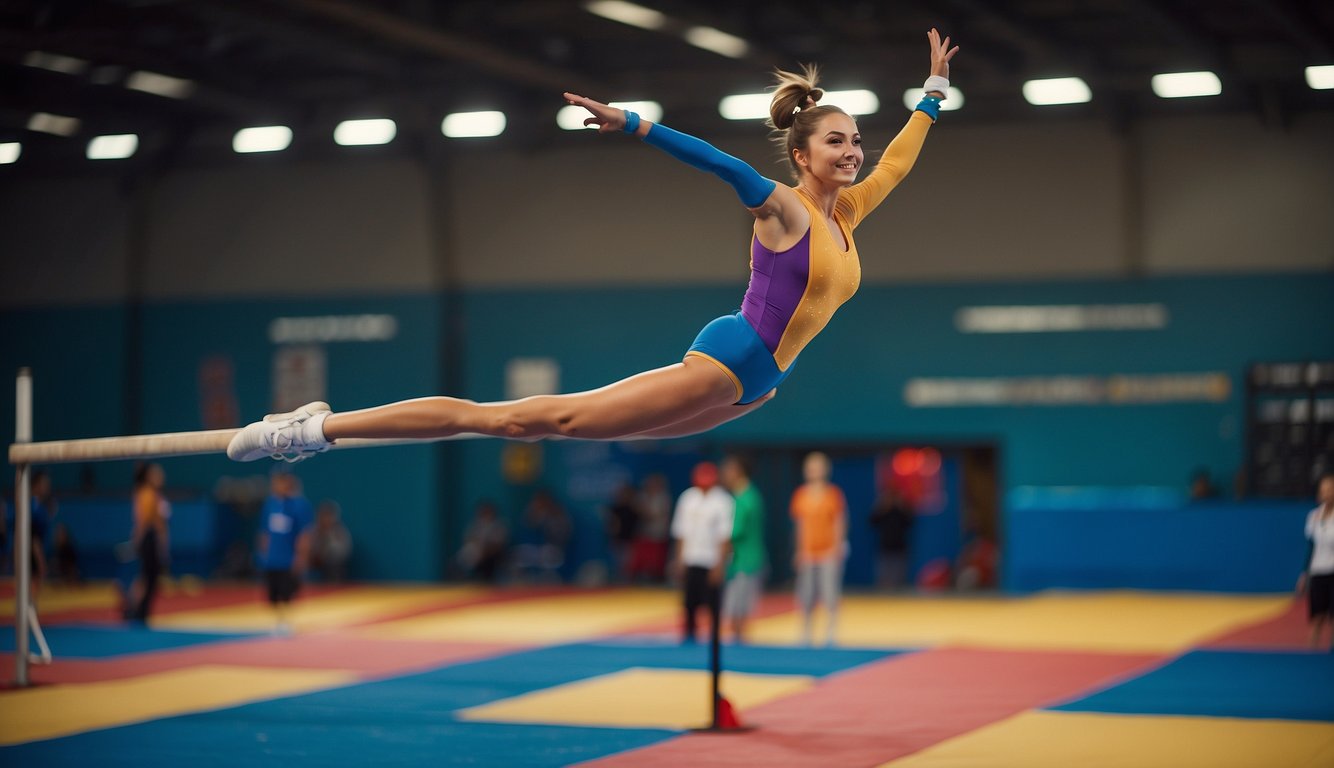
<point>848,386</point>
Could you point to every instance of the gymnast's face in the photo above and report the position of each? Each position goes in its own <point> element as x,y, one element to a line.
<point>833,153</point>
<point>1327,491</point>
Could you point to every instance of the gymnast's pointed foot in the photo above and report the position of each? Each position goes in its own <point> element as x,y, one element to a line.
<point>290,436</point>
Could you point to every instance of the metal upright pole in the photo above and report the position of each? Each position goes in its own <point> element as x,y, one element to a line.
<point>22,527</point>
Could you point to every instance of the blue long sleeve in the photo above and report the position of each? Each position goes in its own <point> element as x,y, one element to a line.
<point>750,186</point>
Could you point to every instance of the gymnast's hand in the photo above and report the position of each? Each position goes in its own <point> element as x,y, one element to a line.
<point>941,53</point>
<point>607,119</point>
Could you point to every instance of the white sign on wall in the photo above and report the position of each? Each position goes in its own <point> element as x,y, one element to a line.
<point>300,375</point>
<point>528,376</point>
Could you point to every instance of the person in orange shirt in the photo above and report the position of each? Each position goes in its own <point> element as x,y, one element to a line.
<point>820,514</point>
<point>151,511</point>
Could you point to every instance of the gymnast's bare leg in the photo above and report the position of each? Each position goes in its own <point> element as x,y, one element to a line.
<point>641,403</point>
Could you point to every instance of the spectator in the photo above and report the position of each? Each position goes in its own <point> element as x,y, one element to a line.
<point>43,509</point>
<point>820,513</point>
<point>66,557</point>
<point>284,544</point>
<point>1202,486</point>
<point>749,558</point>
<point>623,529</point>
<point>893,520</point>
<point>652,538</point>
<point>702,528</point>
<point>1318,578</point>
<point>543,537</point>
<point>149,539</point>
<point>485,543</point>
<point>330,543</point>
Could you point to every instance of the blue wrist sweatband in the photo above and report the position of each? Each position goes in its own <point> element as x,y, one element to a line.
<point>930,105</point>
<point>631,121</point>
<point>750,186</point>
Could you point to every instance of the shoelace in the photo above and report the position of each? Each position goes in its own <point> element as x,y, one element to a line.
<point>283,442</point>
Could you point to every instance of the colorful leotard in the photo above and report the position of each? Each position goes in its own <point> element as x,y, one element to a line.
<point>794,293</point>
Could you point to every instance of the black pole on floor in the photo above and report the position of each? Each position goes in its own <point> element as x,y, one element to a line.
<point>716,651</point>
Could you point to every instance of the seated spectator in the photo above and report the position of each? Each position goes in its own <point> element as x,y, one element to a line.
<point>485,544</point>
<point>1202,486</point>
<point>330,543</point>
<point>649,556</point>
<point>544,536</point>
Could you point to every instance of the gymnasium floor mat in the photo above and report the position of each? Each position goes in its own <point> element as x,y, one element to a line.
<point>599,678</point>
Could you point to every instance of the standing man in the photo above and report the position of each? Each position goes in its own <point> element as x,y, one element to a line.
<point>702,528</point>
<point>1318,578</point>
<point>746,573</point>
<point>820,513</point>
<point>284,544</point>
<point>893,518</point>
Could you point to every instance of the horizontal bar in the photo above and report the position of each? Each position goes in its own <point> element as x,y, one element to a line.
<point>165,445</point>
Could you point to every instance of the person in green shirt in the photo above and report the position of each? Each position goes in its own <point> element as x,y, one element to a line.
<point>749,559</point>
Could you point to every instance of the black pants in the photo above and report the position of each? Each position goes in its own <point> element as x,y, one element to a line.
<point>150,566</point>
<point>699,592</point>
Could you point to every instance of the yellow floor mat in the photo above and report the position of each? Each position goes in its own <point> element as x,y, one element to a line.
<point>52,598</point>
<point>562,618</point>
<point>1063,739</point>
<point>1130,622</point>
<point>639,698</point>
<point>338,609</point>
<point>62,710</point>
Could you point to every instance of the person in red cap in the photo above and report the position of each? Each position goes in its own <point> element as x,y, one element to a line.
<point>702,528</point>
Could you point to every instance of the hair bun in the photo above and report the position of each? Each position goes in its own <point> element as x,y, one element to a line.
<point>814,95</point>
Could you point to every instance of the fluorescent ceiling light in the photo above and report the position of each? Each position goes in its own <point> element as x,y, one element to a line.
<point>1177,85</point>
<point>351,133</point>
<point>1320,78</point>
<point>59,125</point>
<point>571,117</point>
<point>857,102</point>
<point>745,106</point>
<point>9,152</point>
<point>627,13</point>
<point>717,41</point>
<point>159,85</point>
<point>265,138</point>
<point>1057,90</point>
<point>462,125</point>
<point>953,99</point>
<point>112,147</point>
<point>755,106</point>
<point>54,62</point>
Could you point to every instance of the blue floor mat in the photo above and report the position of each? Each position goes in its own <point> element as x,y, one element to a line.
<point>96,641</point>
<point>1287,686</point>
<point>410,720</point>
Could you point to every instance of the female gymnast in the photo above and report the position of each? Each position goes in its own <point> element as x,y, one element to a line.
<point>804,265</point>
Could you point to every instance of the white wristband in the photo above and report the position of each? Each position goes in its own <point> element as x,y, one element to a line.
<point>937,83</point>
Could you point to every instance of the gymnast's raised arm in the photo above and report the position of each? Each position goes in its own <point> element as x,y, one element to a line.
<point>762,197</point>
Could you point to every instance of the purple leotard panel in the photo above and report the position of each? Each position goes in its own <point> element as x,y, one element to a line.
<point>777,283</point>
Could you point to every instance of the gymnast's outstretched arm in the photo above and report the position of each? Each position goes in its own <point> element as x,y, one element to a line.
<point>763,197</point>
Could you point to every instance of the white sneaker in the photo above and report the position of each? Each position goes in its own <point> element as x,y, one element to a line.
<point>290,436</point>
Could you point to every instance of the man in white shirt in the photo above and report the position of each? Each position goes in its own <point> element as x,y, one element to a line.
<point>702,528</point>
<point>1319,576</point>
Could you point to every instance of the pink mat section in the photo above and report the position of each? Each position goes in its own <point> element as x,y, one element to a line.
<point>893,708</point>
<point>1287,632</point>
<point>369,657</point>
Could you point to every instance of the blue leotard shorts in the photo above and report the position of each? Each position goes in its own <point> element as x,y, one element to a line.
<point>731,343</point>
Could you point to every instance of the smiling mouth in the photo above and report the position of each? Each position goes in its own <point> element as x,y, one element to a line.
<point>846,166</point>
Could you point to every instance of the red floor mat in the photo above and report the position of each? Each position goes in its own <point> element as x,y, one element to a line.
<point>371,657</point>
<point>894,708</point>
